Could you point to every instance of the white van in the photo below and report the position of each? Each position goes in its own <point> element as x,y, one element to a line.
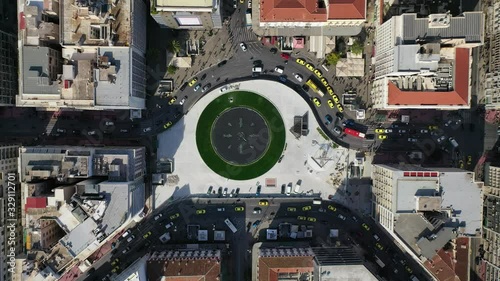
<point>278,70</point>
<point>453,142</point>
<point>288,189</point>
<point>297,188</point>
<point>317,201</point>
<point>257,69</point>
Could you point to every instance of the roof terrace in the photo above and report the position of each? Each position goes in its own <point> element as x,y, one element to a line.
<point>96,22</point>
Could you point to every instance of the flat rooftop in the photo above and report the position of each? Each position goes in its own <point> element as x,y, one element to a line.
<point>96,23</point>
<point>184,3</point>
<point>113,87</point>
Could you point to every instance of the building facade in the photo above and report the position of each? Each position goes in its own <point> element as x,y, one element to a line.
<point>491,223</point>
<point>9,183</point>
<point>8,68</point>
<point>492,83</point>
<point>194,14</point>
<point>426,63</point>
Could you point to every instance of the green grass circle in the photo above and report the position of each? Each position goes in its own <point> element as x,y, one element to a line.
<point>272,118</point>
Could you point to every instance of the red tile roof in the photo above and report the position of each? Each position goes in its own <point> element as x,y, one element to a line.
<point>35,203</point>
<point>291,11</point>
<point>184,270</point>
<point>459,96</point>
<point>440,268</point>
<point>347,9</point>
<point>270,267</point>
<point>462,257</point>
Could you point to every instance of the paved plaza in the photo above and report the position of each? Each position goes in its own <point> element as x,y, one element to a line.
<point>311,158</point>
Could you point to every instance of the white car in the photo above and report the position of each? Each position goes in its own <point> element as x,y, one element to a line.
<point>387,131</point>
<point>243,47</point>
<point>182,101</point>
<point>158,217</point>
<point>61,130</point>
<point>221,209</point>
<point>223,89</point>
<point>298,77</point>
<point>412,140</point>
<point>109,123</point>
<point>146,129</point>
<point>91,133</point>
<point>169,225</point>
<point>278,69</point>
<point>342,217</point>
<point>441,139</point>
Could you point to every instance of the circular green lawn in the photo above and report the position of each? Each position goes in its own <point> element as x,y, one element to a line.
<point>274,143</point>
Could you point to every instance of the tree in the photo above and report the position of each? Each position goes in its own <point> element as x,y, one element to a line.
<point>171,69</point>
<point>174,47</point>
<point>357,47</point>
<point>332,58</point>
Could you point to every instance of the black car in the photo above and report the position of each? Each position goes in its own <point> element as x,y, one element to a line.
<point>370,136</point>
<point>339,115</point>
<point>219,192</point>
<point>282,78</point>
<point>283,187</point>
<point>183,86</point>
<point>257,62</point>
<point>259,188</point>
<point>206,87</point>
<point>222,63</point>
<point>273,50</point>
<point>203,77</point>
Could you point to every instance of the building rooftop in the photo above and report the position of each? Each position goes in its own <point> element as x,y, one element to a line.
<point>97,23</point>
<point>285,263</point>
<point>36,78</point>
<point>185,265</point>
<point>470,26</point>
<point>184,3</point>
<point>455,187</point>
<point>404,92</point>
<point>113,83</point>
<point>292,11</point>
<point>409,189</point>
<point>80,238</point>
<point>123,201</point>
<point>451,264</point>
<point>346,9</point>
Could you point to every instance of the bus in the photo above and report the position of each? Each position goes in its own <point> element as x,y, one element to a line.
<point>315,88</point>
<point>353,132</point>
<point>230,225</point>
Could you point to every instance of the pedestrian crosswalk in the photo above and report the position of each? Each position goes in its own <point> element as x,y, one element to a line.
<point>242,34</point>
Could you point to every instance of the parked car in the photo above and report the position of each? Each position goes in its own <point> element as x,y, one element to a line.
<point>158,216</point>
<point>206,87</point>
<point>257,210</point>
<point>298,77</point>
<point>337,130</point>
<point>329,119</point>
<point>278,69</point>
<point>183,100</point>
<point>259,188</point>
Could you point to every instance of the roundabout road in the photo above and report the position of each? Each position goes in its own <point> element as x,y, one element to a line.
<point>239,68</point>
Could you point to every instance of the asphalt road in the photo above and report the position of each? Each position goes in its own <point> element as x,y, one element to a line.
<point>277,211</point>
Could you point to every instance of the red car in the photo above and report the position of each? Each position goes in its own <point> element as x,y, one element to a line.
<point>285,56</point>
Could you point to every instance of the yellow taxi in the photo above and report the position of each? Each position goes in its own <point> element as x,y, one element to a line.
<point>172,100</point>
<point>311,219</point>
<point>291,209</point>
<point>115,262</point>
<point>331,104</point>
<point>191,84</point>
<point>300,61</point>
<point>310,67</point>
<point>324,81</point>
<point>382,137</point>
<point>340,107</point>
<point>167,125</point>
<point>200,212</point>
<point>408,269</point>
<point>380,247</point>
<point>146,235</point>
<point>239,209</point>
<point>115,269</point>
<point>264,203</point>
<point>380,130</point>
<point>301,218</point>
<point>318,73</point>
<point>433,127</point>
<point>306,208</point>
<point>330,91</point>
<point>331,208</point>
<point>317,102</point>
<point>174,216</point>
<point>335,99</point>
<point>366,227</point>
